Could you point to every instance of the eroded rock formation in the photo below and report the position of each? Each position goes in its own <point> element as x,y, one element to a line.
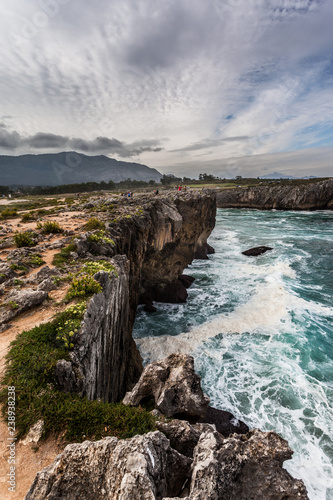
<point>144,467</point>
<point>147,467</point>
<point>173,385</point>
<point>105,358</point>
<point>150,252</point>
<point>311,196</point>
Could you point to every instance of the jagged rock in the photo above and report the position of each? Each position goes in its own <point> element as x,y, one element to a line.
<point>203,251</point>
<point>182,435</point>
<point>171,293</point>
<point>144,467</point>
<point>224,421</point>
<point>254,252</point>
<point>186,280</point>
<point>242,468</point>
<point>149,306</point>
<point>34,434</point>
<point>174,386</point>
<point>46,272</point>
<point>23,300</point>
<point>47,285</point>
<point>104,362</point>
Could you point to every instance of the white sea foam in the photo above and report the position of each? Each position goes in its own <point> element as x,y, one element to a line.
<point>271,365</point>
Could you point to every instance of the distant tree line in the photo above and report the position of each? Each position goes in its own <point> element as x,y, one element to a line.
<point>86,187</point>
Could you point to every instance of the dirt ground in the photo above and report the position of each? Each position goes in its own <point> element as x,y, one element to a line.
<point>29,459</point>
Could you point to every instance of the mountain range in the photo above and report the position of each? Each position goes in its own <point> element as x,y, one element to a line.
<point>69,168</point>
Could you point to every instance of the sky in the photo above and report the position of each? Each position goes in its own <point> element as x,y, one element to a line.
<point>229,87</point>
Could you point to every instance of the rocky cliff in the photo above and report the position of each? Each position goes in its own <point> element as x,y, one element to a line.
<point>151,246</point>
<point>181,460</point>
<point>311,196</point>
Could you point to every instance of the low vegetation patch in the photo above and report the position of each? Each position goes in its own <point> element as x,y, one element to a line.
<point>24,239</point>
<point>50,227</point>
<point>63,257</point>
<point>30,368</point>
<point>93,267</point>
<point>99,237</point>
<point>28,216</point>
<point>8,213</point>
<point>36,260</point>
<point>94,223</point>
<point>83,286</point>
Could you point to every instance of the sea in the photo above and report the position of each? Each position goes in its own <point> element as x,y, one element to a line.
<point>260,331</point>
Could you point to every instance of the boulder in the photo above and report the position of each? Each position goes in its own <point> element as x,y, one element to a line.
<point>186,280</point>
<point>243,467</point>
<point>171,293</point>
<point>173,385</point>
<point>254,252</point>
<point>21,301</point>
<point>224,421</point>
<point>142,467</point>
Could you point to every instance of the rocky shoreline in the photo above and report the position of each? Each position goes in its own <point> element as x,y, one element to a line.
<point>179,460</point>
<point>312,196</point>
<point>202,453</point>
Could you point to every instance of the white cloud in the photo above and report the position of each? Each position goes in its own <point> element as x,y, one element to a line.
<point>196,73</point>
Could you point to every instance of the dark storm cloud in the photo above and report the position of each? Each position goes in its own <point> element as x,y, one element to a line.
<point>8,140</point>
<point>45,141</point>
<point>42,140</point>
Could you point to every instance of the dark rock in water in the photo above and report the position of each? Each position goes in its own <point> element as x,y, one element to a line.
<point>186,280</point>
<point>203,251</point>
<point>171,293</point>
<point>149,307</point>
<point>253,252</point>
<point>225,423</point>
<point>174,386</point>
<point>210,249</point>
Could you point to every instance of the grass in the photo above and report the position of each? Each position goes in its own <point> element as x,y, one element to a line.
<point>30,367</point>
<point>49,227</point>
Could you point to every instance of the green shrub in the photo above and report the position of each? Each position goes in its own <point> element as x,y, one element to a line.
<point>27,217</point>
<point>36,260</point>
<point>17,267</point>
<point>83,286</point>
<point>63,257</point>
<point>93,267</point>
<point>49,227</point>
<point>94,223</point>
<point>30,367</point>
<point>8,213</point>
<point>66,330</point>
<point>24,239</point>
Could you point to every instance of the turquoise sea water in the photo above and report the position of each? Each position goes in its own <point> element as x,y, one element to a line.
<point>260,330</point>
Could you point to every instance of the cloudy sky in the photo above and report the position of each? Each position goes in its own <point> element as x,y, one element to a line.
<point>233,87</point>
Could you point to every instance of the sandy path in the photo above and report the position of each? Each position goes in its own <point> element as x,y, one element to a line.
<point>27,461</point>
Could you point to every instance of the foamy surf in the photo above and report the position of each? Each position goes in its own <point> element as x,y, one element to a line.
<point>260,331</point>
